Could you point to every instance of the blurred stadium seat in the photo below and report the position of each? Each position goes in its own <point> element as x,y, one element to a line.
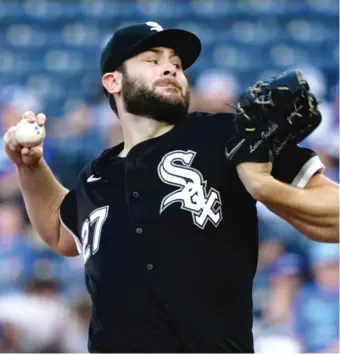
<point>248,37</point>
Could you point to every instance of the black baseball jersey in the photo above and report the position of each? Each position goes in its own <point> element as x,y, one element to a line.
<point>169,240</point>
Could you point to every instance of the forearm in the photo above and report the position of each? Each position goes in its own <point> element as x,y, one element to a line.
<point>313,211</point>
<point>42,195</point>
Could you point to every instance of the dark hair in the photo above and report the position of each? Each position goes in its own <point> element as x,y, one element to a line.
<point>112,101</point>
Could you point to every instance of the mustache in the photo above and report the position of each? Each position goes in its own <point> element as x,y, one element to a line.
<point>168,81</point>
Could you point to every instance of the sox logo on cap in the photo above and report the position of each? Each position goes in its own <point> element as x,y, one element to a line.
<point>154,26</point>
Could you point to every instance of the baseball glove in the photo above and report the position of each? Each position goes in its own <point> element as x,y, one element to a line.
<point>271,115</point>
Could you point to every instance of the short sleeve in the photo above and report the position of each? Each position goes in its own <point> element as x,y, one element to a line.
<point>296,166</point>
<point>68,217</point>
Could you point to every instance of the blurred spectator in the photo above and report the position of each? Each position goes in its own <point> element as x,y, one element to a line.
<point>285,281</point>
<point>214,90</point>
<point>275,341</point>
<point>16,252</point>
<point>325,138</point>
<point>77,341</point>
<point>8,338</point>
<point>325,142</point>
<point>70,272</point>
<point>39,316</point>
<point>269,251</point>
<point>316,309</point>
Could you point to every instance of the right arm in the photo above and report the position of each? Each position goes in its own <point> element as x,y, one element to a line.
<point>43,195</point>
<point>41,191</point>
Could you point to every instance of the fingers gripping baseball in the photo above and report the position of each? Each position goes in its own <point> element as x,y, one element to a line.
<point>24,142</point>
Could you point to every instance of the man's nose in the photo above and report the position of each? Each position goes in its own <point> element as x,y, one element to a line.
<point>169,70</point>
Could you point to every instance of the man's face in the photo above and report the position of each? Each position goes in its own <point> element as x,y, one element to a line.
<point>154,85</point>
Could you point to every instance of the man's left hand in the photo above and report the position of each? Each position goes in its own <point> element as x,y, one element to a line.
<point>272,115</point>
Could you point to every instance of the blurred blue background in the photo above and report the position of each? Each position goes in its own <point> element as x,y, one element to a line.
<point>49,62</point>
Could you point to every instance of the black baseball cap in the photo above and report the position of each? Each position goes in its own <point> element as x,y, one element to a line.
<point>132,40</point>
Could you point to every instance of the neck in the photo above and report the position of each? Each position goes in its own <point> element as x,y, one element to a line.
<point>136,129</point>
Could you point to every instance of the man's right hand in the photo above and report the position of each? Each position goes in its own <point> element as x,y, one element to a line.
<point>41,191</point>
<point>24,156</point>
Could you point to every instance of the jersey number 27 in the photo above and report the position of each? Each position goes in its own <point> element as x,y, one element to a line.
<point>96,218</point>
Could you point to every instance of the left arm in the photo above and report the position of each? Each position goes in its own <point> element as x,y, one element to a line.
<point>314,210</point>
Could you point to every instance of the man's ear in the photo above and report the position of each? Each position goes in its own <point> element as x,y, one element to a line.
<point>112,82</point>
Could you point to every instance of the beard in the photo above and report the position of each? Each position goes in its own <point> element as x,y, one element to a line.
<point>142,101</point>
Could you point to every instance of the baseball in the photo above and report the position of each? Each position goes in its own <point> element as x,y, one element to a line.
<point>29,134</point>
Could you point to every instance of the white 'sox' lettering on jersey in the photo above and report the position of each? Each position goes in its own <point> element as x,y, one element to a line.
<point>175,169</point>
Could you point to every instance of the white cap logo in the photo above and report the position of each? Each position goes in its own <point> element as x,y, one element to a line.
<point>154,26</point>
